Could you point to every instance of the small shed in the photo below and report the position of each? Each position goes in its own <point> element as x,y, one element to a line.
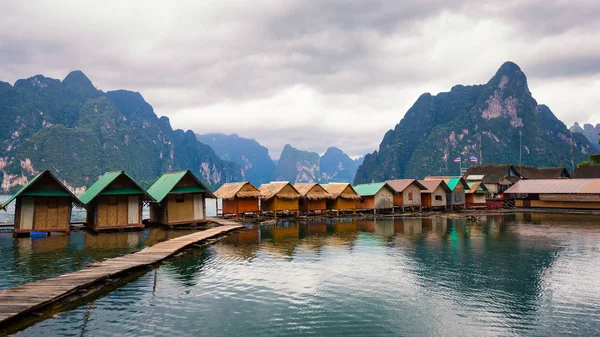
<point>314,198</point>
<point>475,196</point>
<point>279,196</point>
<point>115,201</point>
<point>456,196</point>
<point>376,196</point>
<point>557,193</point>
<point>239,199</point>
<point>435,194</point>
<point>42,205</point>
<point>180,199</point>
<point>343,197</point>
<point>407,193</point>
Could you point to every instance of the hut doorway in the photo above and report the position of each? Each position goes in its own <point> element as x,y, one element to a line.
<point>27,207</point>
<point>198,207</point>
<point>133,214</point>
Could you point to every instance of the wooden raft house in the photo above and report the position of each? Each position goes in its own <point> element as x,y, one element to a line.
<point>375,197</point>
<point>114,202</point>
<point>475,196</point>
<point>42,205</point>
<point>180,199</point>
<point>343,197</point>
<point>279,197</point>
<point>407,193</point>
<point>314,198</point>
<point>435,195</point>
<point>239,199</point>
<point>557,193</point>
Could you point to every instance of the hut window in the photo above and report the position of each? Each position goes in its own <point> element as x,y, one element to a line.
<point>52,203</point>
<point>112,200</point>
<point>438,197</point>
<point>179,198</point>
<point>409,195</point>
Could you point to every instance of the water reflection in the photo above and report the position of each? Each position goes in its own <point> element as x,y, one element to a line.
<point>438,276</point>
<point>27,259</point>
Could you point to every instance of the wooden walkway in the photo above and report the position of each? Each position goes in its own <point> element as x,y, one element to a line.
<point>35,296</point>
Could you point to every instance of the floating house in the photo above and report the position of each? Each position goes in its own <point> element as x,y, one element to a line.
<point>587,171</point>
<point>407,193</point>
<point>435,194</point>
<point>458,186</point>
<point>343,197</point>
<point>179,199</point>
<point>279,197</point>
<point>475,196</point>
<point>239,199</point>
<point>42,205</point>
<point>557,193</point>
<point>314,198</point>
<point>376,197</point>
<point>496,177</point>
<point>114,202</point>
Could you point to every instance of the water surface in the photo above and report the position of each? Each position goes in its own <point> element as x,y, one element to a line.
<point>535,275</point>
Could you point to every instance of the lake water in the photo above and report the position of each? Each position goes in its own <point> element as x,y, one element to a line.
<point>535,275</point>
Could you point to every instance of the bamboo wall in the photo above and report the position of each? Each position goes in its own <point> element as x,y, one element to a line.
<point>307,205</point>
<point>340,204</point>
<point>457,197</point>
<point>367,202</point>
<point>50,214</point>
<point>475,199</point>
<point>180,212</point>
<point>428,200</point>
<point>558,204</point>
<point>240,205</point>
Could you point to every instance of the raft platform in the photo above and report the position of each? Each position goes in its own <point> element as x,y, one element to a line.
<point>35,297</point>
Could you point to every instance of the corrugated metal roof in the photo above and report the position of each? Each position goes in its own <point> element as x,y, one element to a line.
<point>26,190</point>
<point>556,186</point>
<point>166,184</point>
<point>100,185</point>
<point>475,177</point>
<point>365,190</point>
<point>400,185</point>
<point>432,184</point>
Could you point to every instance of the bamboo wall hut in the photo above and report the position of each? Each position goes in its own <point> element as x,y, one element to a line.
<point>314,198</point>
<point>475,196</point>
<point>180,199</point>
<point>376,196</point>
<point>435,194</point>
<point>239,199</point>
<point>279,197</point>
<point>114,202</point>
<point>344,197</point>
<point>407,193</point>
<point>557,193</point>
<point>42,205</point>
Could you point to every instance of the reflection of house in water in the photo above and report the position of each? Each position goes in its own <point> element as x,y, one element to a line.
<point>186,268</point>
<point>381,227</point>
<point>409,226</point>
<point>281,238</point>
<point>244,244</point>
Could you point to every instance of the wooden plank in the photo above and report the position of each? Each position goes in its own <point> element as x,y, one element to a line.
<point>36,295</point>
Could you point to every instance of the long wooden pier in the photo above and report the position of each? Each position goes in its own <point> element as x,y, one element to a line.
<point>37,296</point>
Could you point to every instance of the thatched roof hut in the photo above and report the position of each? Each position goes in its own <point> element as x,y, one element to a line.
<point>239,198</point>
<point>341,190</point>
<point>314,197</point>
<point>231,191</point>
<point>279,189</point>
<point>279,196</point>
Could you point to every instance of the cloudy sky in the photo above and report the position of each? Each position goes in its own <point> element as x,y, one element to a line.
<point>310,73</point>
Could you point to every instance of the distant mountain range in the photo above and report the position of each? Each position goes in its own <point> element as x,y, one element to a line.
<point>293,165</point>
<point>80,132</point>
<point>589,131</point>
<point>500,119</point>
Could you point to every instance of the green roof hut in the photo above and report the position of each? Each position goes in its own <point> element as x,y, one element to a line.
<point>180,198</point>
<point>42,205</point>
<point>376,196</point>
<point>115,201</point>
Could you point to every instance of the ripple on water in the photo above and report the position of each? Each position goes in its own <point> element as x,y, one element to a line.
<point>363,279</point>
